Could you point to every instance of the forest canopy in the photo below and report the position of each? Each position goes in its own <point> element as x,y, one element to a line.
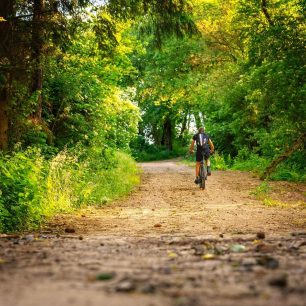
<point>85,85</point>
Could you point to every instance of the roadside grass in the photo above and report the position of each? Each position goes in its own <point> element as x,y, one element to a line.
<point>251,162</point>
<point>278,195</point>
<point>264,192</point>
<point>218,162</point>
<point>33,189</point>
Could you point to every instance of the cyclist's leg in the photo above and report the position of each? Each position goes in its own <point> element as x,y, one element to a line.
<point>207,160</point>
<point>198,164</point>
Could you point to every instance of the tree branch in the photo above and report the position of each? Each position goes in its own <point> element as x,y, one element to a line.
<point>266,13</point>
<point>294,147</point>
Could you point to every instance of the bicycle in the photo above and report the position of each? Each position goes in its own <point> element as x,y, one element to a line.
<point>203,173</point>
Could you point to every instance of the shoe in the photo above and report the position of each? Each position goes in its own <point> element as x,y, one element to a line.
<point>208,171</point>
<point>196,181</point>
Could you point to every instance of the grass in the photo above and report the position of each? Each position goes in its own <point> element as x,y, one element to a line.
<point>217,161</point>
<point>33,189</point>
<point>273,203</point>
<point>274,197</point>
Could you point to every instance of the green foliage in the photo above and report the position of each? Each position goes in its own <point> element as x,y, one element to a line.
<point>254,102</point>
<point>263,193</point>
<point>33,188</point>
<point>219,162</point>
<point>22,187</point>
<point>291,170</point>
<point>89,117</point>
<point>84,89</point>
<point>242,76</point>
<point>248,161</point>
<point>97,183</point>
<point>143,151</point>
<point>262,190</point>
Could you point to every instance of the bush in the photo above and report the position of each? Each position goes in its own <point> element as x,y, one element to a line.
<point>287,171</point>
<point>22,190</point>
<point>143,151</point>
<point>248,161</point>
<point>33,188</point>
<point>218,162</point>
<point>96,183</point>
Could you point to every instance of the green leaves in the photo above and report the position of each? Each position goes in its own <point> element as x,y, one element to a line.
<point>22,188</point>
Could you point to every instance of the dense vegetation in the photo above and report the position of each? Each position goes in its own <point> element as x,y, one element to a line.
<point>83,86</point>
<point>242,76</point>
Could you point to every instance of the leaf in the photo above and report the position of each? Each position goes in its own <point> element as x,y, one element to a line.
<point>208,256</point>
<point>172,254</point>
<point>105,276</point>
<point>2,261</point>
<point>257,241</point>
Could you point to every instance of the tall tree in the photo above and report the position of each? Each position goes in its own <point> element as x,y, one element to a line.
<point>37,54</point>
<point>6,10</point>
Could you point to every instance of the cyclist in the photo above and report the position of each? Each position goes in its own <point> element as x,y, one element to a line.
<point>204,148</point>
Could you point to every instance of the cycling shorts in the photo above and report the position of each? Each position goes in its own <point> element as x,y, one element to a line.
<point>202,153</point>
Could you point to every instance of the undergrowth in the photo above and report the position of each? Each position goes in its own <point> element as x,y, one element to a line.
<point>153,153</point>
<point>251,162</point>
<point>263,194</point>
<point>33,188</point>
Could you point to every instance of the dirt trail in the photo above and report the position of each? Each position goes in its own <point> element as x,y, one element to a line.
<point>168,243</point>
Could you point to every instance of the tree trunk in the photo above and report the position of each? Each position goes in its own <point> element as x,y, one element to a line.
<point>198,120</point>
<point>294,147</point>
<point>167,134</point>
<point>37,46</point>
<point>184,126</point>
<point>6,10</point>
<point>4,122</point>
<point>188,122</point>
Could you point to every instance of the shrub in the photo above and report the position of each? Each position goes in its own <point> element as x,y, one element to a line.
<point>22,190</point>
<point>33,188</point>
<point>248,161</point>
<point>218,162</point>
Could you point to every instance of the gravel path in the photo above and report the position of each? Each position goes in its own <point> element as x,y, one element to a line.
<point>168,243</point>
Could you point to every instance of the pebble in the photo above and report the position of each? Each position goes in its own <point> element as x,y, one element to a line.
<point>260,235</point>
<point>264,248</point>
<point>249,262</point>
<point>29,238</point>
<point>298,234</point>
<point>280,281</point>
<point>148,288</point>
<point>125,286</point>
<point>237,248</point>
<point>268,262</point>
<point>198,250</point>
<point>70,230</point>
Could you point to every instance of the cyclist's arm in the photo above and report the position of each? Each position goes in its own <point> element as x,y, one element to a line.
<point>191,149</point>
<point>211,145</point>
